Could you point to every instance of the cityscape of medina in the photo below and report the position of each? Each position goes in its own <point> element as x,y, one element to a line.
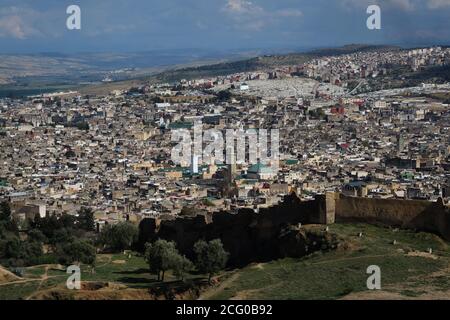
<point>224,150</point>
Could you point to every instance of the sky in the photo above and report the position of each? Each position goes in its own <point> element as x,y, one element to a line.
<point>34,26</point>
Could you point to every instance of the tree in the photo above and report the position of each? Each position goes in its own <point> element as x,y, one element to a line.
<point>82,125</point>
<point>32,251</point>
<point>161,256</point>
<point>78,251</point>
<point>5,211</point>
<point>119,237</point>
<point>7,224</point>
<point>85,219</point>
<point>36,235</point>
<point>70,154</point>
<point>224,95</point>
<point>14,252</point>
<point>67,221</point>
<point>208,203</point>
<point>210,257</point>
<point>182,266</point>
<point>12,248</point>
<point>47,225</point>
<point>60,236</point>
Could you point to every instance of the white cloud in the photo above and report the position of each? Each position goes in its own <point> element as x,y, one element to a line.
<point>246,15</point>
<point>252,17</point>
<point>404,5</point>
<point>242,7</point>
<point>21,23</point>
<point>12,26</point>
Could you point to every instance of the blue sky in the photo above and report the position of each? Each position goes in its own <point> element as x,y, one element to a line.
<point>31,26</point>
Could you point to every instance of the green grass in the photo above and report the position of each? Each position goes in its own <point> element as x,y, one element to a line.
<point>34,272</point>
<point>329,275</point>
<point>18,291</point>
<point>21,291</point>
<point>335,274</point>
<point>134,272</point>
<point>298,279</point>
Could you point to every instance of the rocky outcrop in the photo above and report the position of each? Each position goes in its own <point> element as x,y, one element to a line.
<point>296,242</point>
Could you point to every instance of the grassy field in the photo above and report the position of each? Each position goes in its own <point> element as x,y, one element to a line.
<point>124,271</point>
<point>407,271</point>
<point>337,274</point>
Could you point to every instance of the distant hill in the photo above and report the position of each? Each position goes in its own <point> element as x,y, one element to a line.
<point>353,48</point>
<point>239,65</point>
<point>262,62</point>
<point>52,68</point>
<point>47,72</point>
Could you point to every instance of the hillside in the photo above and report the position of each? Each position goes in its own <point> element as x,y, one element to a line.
<point>23,75</point>
<point>408,271</point>
<point>29,74</point>
<point>258,63</point>
<point>7,276</point>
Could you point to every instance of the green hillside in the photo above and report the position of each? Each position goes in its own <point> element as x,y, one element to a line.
<point>408,271</point>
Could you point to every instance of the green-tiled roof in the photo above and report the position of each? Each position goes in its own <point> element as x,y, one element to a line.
<point>291,162</point>
<point>259,167</point>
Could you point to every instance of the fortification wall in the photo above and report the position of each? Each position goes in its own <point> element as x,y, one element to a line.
<point>248,236</point>
<point>410,214</point>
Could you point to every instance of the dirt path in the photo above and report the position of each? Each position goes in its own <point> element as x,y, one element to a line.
<point>216,290</point>
<point>42,279</point>
<point>109,260</point>
<point>19,282</point>
<point>27,280</point>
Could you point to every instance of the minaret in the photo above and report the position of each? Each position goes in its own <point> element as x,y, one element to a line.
<point>194,164</point>
<point>231,166</point>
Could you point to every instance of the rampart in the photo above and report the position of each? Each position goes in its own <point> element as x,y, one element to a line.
<point>418,215</point>
<point>247,235</point>
<point>251,236</point>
